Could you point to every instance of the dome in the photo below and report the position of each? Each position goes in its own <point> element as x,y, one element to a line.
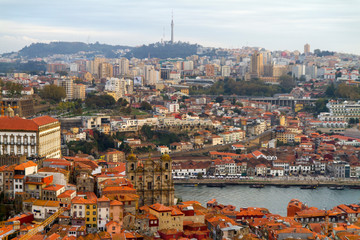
<point>165,157</point>
<point>131,156</point>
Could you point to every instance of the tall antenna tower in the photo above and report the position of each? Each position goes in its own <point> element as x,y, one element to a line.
<point>172,27</point>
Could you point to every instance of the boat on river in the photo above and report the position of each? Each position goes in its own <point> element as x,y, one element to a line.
<point>216,185</point>
<point>190,185</point>
<point>308,187</point>
<point>337,187</point>
<point>257,186</point>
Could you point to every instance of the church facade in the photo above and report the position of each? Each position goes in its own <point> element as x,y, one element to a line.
<point>152,179</point>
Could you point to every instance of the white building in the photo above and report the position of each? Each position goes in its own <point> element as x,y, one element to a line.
<point>42,209</point>
<point>188,66</point>
<point>20,172</point>
<point>103,207</point>
<point>225,71</point>
<point>38,137</point>
<point>341,111</point>
<point>93,122</point>
<point>173,107</point>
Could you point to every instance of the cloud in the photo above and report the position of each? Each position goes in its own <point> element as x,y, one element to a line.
<point>277,24</point>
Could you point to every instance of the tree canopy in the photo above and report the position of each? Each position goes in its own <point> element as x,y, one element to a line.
<point>14,89</point>
<point>103,101</point>
<point>53,92</point>
<point>343,91</point>
<point>255,87</point>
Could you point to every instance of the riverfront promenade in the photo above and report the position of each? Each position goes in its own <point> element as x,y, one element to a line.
<point>290,181</point>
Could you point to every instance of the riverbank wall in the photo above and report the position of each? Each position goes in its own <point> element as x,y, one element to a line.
<point>273,182</point>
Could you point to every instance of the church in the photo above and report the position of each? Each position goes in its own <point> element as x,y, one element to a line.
<point>152,179</point>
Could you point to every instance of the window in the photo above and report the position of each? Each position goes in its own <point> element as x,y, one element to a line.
<point>94,219</point>
<point>94,213</point>
<point>149,185</point>
<point>94,207</point>
<point>87,213</point>
<point>88,219</point>
<point>113,228</point>
<point>87,206</point>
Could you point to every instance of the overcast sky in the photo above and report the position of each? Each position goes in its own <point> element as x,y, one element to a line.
<point>275,25</point>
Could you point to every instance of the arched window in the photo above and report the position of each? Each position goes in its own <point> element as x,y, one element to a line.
<point>132,167</point>
<point>166,166</point>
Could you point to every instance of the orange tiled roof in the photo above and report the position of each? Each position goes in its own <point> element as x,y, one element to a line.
<point>24,165</point>
<point>160,207</point>
<point>53,187</point>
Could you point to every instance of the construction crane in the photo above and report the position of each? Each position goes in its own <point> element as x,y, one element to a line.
<point>3,107</point>
<point>16,226</point>
<point>41,227</point>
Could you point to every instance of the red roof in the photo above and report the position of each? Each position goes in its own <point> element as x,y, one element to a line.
<point>43,120</point>
<point>160,208</point>
<point>18,123</point>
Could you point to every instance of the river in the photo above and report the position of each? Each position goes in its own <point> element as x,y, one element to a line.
<point>270,197</point>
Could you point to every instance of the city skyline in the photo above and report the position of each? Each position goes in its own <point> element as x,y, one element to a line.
<point>278,25</point>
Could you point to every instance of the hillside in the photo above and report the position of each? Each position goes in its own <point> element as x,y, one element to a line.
<point>48,49</point>
<point>155,50</point>
<point>164,50</point>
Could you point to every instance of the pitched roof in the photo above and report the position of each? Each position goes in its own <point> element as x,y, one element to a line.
<point>17,123</point>
<point>24,165</point>
<point>53,187</point>
<point>160,208</point>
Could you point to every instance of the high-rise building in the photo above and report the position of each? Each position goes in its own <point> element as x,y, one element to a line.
<point>105,70</point>
<point>68,85</point>
<point>257,65</point>
<point>94,67</point>
<point>225,71</point>
<point>152,179</point>
<point>116,87</point>
<point>124,66</point>
<point>209,70</point>
<point>188,66</point>
<point>306,49</point>
<point>56,67</point>
<point>79,91</point>
<point>151,75</point>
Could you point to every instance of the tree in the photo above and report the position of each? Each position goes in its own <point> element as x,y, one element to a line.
<point>219,99</point>
<point>320,105</point>
<point>125,147</point>
<point>62,73</point>
<point>103,101</point>
<point>287,83</point>
<point>14,89</point>
<point>53,92</point>
<point>145,106</point>
<point>330,90</point>
<point>146,130</point>
<point>122,102</point>
<point>302,78</point>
